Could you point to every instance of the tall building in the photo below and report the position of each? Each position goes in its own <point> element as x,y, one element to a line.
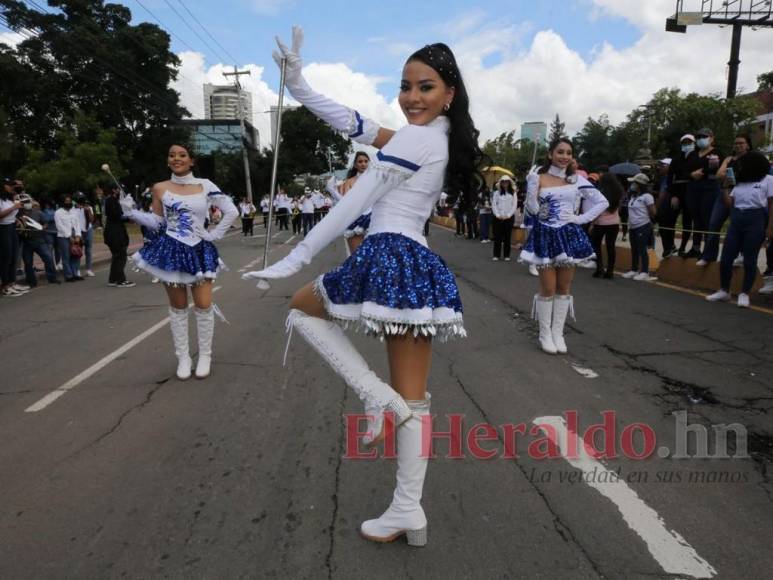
<point>222,102</point>
<point>210,135</point>
<point>535,131</point>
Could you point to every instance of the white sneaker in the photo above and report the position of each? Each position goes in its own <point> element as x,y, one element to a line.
<point>495,259</point>
<point>507,259</point>
<point>629,274</point>
<point>768,287</point>
<point>702,262</point>
<point>21,287</point>
<point>59,267</point>
<point>644,277</point>
<point>743,300</point>
<point>90,273</point>
<point>719,296</point>
<point>154,281</point>
<point>533,270</point>
<point>738,262</point>
<point>588,264</point>
<point>11,293</point>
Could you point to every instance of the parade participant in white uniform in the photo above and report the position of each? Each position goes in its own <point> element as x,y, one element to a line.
<point>264,205</point>
<point>557,242</point>
<point>393,286</point>
<point>183,255</point>
<point>503,206</point>
<point>307,211</point>
<point>282,207</point>
<point>319,202</point>
<point>355,231</point>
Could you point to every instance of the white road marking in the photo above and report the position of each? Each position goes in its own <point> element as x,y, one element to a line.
<point>670,550</point>
<point>587,373</point>
<point>98,366</point>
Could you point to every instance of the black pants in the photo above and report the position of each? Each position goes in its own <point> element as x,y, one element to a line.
<point>701,196</point>
<point>265,219</point>
<point>308,222</point>
<point>607,234</point>
<point>459,218</point>
<point>282,216</point>
<point>247,225</point>
<point>9,250</point>
<point>117,241</point>
<point>472,225</point>
<point>667,217</point>
<point>503,231</point>
<point>296,223</point>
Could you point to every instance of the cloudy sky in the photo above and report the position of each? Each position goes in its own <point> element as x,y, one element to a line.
<point>522,60</point>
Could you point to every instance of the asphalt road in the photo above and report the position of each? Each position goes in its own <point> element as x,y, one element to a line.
<point>131,473</point>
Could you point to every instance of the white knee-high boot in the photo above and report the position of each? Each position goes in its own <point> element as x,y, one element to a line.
<point>178,323</point>
<point>329,340</point>
<point>405,515</point>
<point>563,304</point>
<point>205,327</point>
<point>542,310</point>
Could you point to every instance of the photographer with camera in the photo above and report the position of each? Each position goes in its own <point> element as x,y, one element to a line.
<point>33,241</point>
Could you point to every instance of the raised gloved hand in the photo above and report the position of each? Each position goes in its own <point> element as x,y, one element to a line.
<point>292,56</point>
<point>127,203</point>
<point>284,268</point>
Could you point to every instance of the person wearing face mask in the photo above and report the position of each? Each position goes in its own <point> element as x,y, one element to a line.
<point>721,211</point>
<point>68,234</point>
<point>393,286</point>
<point>641,212</point>
<point>557,242</point>
<point>182,255</point>
<point>9,240</point>
<point>678,178</point>
<point>33,242</point>
<point>703,187</point>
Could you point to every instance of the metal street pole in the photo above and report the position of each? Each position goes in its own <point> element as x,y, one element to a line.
<point>274,166</point>
<point>245,153</point>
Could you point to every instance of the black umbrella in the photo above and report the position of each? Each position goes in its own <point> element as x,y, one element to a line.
<point>627,168</point>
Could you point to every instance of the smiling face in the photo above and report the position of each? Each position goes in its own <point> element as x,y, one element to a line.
<point>423,94</point>
<point>361,163</point>
<point>179,160</point>
<point>561,156</point>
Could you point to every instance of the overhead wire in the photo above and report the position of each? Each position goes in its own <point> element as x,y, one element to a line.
<point>201,38</point>
<point>192,15</point>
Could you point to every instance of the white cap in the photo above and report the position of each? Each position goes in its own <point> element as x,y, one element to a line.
<point>639,178</point>
<point>665,161</point>
<point>689,136</point>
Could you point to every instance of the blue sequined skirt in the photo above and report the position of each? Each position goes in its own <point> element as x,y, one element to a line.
<point>393,285</point>
<point>358,227</point>
<point>174,262</point>
<point>550,247</point>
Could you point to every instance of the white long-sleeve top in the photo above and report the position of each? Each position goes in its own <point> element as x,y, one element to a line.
<point>503,204</point>
<point>307,205</point>
<point>554,205</point>
<point>401,185</point>
<point>67,222</point>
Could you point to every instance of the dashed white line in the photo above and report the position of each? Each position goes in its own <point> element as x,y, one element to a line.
<point>97,366</point>
<point>587,373</point>
<point>670,550</point>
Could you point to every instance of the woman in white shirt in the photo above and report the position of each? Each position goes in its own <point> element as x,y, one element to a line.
<point>503,205</point>
<point>9,240</point>
<point>641,212</point>
<point>393,286</point>
<point>751,222</point>
<point>68,233</point>
<point>557,242</point>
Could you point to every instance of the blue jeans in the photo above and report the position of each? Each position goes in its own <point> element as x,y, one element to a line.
<point>307,219</point>
<point>53,247</point>
<point>701,197</point>
<point>70,264</point>
<point>745,233</point>
<point>485,221</point>
<point>719,213</point>
<point>639,238</point>
<point>40,247</point>
<point>88,239</point>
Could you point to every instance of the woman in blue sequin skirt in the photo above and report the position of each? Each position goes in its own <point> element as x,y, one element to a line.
<point>355,232</point>
<point>560,202</point>
<point>393,286</point>
<point>180,252</point>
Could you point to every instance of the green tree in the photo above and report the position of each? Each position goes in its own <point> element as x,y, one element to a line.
<point>513,154</point>
<point>556,129</point>
<point>593,143</point>
<point>765,81</point>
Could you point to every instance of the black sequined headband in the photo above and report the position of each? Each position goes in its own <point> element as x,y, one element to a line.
<point>441,60</point>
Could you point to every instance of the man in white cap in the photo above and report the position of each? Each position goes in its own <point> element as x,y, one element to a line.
<point>678,178</point>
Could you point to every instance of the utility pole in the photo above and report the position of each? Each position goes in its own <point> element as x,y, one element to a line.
<point>245,153</point>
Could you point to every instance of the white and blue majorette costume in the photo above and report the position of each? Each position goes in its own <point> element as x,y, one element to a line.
<point>180,252</point>
<point>183,253</point>
<point>557,239</point>
<point>358,227</point>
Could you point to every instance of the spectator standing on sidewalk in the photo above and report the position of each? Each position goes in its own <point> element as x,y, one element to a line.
<point>68,236</point>
<point>117,240</point>
<point>751,221</point>
<point>49,230</point>
<point>678,178</point>
<point>472,219</point>
<point>484,213</point>
<point>503,206</point>
<point>9,240</point>
<point>33,241</point>
<point>666,206</point>
<point>85,214</point>
<point>703,188</point>
<point>641,212</point>
<point>606,227</point>
<point>459,214</point>
<point>247,212</point>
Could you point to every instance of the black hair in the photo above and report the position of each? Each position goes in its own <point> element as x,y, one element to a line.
<point>464,154</point>
<point>611,188</point>
<point>509,185</point>
<point>353,169</point>
<point>552,147</point>
<point>752,167</point>
<point>746,137</point>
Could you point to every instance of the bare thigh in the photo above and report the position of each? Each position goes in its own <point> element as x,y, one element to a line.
<point>564,277</point>
<point>202,295</point>
<point>547,281</point>
<point>354,242</point>
<point>409,362</point>
<point>178,296</point>
<point>307,301</point>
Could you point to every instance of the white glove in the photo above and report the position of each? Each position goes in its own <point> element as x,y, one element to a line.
<point>202,232</point>
<point>229,212</point>
<point>284,268</point>
<point>331,188</point>
<point>338,116</point>
<point>532,190</point>
<point>569,217</point>
<point>149,219</point>
<point>127,203</point>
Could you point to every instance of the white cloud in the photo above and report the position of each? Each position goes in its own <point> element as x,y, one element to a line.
<point>10,38</point>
